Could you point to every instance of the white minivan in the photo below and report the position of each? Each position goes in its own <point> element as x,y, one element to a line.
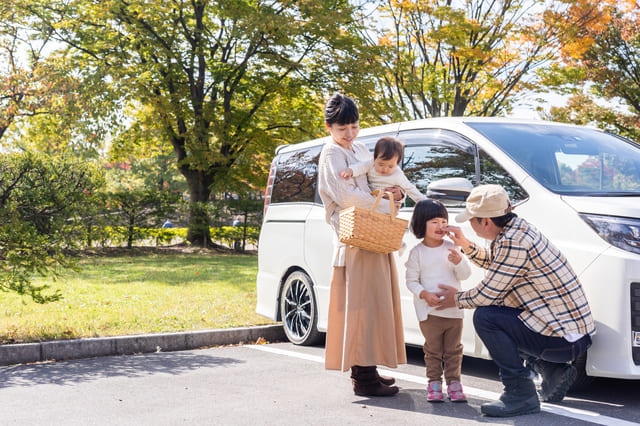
<point>580,186</point>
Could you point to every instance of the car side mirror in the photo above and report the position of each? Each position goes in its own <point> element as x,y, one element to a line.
<point>457,189</point>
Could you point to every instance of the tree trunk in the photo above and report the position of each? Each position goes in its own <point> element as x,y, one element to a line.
<point>89,231</point>
<point>130,237</point>
<point>244,229</point>
<point>199,192</point>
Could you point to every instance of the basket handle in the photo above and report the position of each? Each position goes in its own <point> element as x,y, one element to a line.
<point>392,205</point>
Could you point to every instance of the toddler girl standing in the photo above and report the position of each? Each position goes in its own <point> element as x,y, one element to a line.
<point>431,262</point>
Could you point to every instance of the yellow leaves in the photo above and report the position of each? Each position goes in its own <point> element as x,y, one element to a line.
<point>445,51</point>
<point>587,16</point>
<point>578,47</point>
<point>386,40</point>
<point>586,23</point>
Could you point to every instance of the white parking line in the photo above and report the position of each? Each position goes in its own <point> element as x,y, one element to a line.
<point>589,416</point>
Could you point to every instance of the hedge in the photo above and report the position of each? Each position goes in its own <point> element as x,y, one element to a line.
<point>115,236</point>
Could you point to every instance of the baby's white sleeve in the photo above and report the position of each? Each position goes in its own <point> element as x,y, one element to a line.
<point>361,168</point>
<point>410,189</point>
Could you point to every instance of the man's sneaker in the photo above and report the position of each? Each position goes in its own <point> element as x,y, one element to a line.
<point>434,392</point>
<point>556,380</point>
<point>454,390</point>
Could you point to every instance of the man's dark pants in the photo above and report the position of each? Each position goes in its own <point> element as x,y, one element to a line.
<point>509,341</point>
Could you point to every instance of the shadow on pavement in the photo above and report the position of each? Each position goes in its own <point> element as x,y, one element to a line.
<point>84,370</point>
<point>415,400</point>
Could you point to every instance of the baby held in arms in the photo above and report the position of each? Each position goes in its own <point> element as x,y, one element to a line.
<point>382,171</point>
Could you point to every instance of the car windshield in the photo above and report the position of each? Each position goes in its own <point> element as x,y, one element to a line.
<point>570,160</point>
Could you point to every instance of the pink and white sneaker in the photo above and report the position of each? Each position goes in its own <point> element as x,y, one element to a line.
<point>454,390</point>
<point>434,392</point>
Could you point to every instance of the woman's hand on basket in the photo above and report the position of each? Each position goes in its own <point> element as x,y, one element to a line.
<point>397,193</point>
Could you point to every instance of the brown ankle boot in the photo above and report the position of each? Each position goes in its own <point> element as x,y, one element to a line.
<point>385,380</point>
<point>366,383</point>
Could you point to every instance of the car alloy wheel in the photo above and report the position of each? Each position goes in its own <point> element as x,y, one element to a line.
<point>298,309</point>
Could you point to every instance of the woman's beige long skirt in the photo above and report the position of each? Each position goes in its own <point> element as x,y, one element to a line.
<point>365,320</point>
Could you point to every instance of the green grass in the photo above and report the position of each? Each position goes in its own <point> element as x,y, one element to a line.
<point>138,294</point>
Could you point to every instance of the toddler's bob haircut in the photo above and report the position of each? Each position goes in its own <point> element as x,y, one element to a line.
<point>423,212</point>
<point>341,110</point>
<point>388,148</point>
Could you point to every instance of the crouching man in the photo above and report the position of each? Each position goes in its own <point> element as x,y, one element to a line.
<point>531,312</point>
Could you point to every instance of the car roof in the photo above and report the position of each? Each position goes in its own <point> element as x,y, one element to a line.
<point>450,123</point>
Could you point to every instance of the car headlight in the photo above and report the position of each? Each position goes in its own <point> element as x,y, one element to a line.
<point>622,232</point>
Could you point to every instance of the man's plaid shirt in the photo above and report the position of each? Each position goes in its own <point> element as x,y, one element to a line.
<point>525,271</point>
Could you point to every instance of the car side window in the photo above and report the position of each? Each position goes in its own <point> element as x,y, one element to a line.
<point>492,172</point>
<point>433,154</point>
<point>296,176</point>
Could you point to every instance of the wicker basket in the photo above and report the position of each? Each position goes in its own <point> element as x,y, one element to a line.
<point>372,230</point>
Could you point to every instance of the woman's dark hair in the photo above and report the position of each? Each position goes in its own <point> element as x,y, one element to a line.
<point>423,212</point>
<point>502,221</point>
<point>387,148</point>
<point>341,110</point>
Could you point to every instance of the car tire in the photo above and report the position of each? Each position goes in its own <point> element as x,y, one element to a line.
<point>298,310</point>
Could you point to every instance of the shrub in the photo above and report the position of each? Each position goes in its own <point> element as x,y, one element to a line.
<point>133,211</point>
<point>42,201</point>
<point>229,235</point>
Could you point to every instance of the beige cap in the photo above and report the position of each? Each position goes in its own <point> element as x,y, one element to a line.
<point>486,201</point>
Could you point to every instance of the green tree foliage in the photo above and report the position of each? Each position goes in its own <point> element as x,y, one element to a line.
<point>432,58</point>
<point>24,91</point>
<point>136,198</point>
<point>584,109</point>
<point>82,116</point>
<point>132,210</point>
<point>42,202</point>
<point>603,62</point>
<point>153,170</point>
<point>442,58</point>
<point>224,82</point>
<point>49,102</point>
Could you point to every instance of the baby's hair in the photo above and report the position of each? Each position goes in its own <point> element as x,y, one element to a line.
<point>387,148</point>
<point>341,110</point>
<point>423,212</point>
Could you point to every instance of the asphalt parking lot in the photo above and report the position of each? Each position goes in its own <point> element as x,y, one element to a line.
<point>268,384</point>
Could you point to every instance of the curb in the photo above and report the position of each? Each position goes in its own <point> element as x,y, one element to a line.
<point>58,350</point>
